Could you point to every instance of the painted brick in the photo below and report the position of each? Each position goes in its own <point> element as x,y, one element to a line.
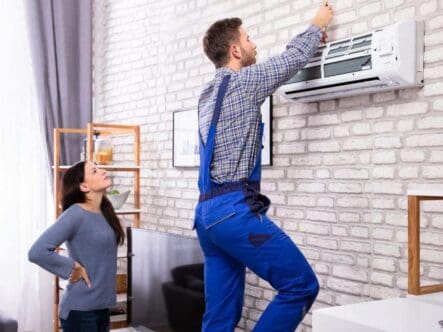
<point>334,257</point>
<point>428,7</point>
<point>320,133</point>
<point>383,173</point>
<point>320,120</point>
<point>390,250</point>
<point>306,160</point>
<point>339,231</point>
<point>329,146</point>
<point>339,159</point>
<point>384,264</point>
<point>383,203</point>
<point>323,173</point>
<point>357,144</point>
<point>374,112</point>
<point>370,9</point>
<point>326,202</point>
<point>432,172</point>
<point>351,116</point>
<point>387,142</point>
<point>311,187</point>
<point>407,109</point>
<point>384,157</point>
<point>405,125</point>
<point>385,187</point>
<point>322,243</point>
<point>432,56</point>
<point>425,140</point>
<point>382,278</point>
<point>435,22</point>
<point>404,14</point>
<point>362,232</point>
<point>381,292</point>
<point>408,173</point>
<point>350,173</point>
<point>321,215</point>
<point>349,217</point>
<point>345,188</point>
<point>360,246</point>
<point>352,202</point>
<point>361,129</point>
<point>341,131</point>
<point>310,227</point>
<point>430,122</point>
<point>412,156</point>
<point>348,272</point>
<point>380,20</point>
<point>344,286</point>
<point>301,201</point>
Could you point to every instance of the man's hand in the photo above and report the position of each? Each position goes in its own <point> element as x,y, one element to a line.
<point>79,272</point>
<point>323,16</point>
<point>324,37</point>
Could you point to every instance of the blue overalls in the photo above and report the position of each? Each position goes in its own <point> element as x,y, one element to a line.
<point>234,233</point>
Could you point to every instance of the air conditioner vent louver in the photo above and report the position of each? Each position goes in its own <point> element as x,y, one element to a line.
<point>362,64</point>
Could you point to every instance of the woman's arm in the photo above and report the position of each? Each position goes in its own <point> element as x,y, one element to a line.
<point>43,251</point>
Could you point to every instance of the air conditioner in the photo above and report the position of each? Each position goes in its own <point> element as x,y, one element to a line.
<point>385,59</point>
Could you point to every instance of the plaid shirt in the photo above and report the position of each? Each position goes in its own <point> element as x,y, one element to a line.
<point>238,129</point>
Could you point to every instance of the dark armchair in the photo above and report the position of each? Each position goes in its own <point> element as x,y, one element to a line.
<point>185,298</point>
<point>7,324</point>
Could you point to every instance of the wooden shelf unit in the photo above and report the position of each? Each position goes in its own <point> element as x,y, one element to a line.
<point>58,169</point>
<point>414,199</point>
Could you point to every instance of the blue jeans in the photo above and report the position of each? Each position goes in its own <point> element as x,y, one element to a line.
<point>86,321</point>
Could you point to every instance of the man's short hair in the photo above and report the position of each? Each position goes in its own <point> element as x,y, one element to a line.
<point>218,38</point>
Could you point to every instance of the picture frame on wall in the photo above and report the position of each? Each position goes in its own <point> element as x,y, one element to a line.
<point>266,113</point>
<point>185,138</point>
<point>185,145</point>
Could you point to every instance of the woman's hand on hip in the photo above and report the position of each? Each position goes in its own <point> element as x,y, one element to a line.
<point>79,272</point>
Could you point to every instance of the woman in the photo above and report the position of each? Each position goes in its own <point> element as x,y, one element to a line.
<point>92,232</point>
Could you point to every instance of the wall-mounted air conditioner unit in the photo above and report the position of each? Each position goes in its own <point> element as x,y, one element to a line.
<point>385,59</point>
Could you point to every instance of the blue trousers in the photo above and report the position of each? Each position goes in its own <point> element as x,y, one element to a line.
<point>232,238</point>
<point>86,321</point>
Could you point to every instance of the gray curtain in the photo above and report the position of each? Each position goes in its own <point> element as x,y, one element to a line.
<point>61,32</point>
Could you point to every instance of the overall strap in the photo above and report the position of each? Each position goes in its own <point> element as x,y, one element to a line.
<point>218,103</point>
<point>206,152</point>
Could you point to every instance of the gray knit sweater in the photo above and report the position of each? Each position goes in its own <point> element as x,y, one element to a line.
<point>91,242</point>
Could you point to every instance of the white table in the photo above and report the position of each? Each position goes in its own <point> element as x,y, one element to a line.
<point>391,315</point>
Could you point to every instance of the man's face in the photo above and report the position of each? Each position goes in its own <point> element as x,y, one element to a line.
<point>247,47</point>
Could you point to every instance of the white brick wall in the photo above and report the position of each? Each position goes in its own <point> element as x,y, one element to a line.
<point>341,167</point>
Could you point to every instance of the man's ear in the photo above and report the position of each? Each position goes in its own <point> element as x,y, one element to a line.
<point>84,187</point>
<point>235,51</point>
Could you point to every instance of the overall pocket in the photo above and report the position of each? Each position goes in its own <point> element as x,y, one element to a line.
<point>216,211</point>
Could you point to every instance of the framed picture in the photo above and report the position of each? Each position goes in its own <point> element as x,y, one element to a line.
<point>185,136</point>
<point>185,139</point>
<point>266,113</point>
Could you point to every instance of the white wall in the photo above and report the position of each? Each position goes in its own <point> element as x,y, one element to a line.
<point>341,167</point>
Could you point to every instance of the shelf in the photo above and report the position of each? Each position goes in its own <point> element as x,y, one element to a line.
<point>133,211</point>
<point>121,168</point>
<point>122,298</point>
<point>118,318</point>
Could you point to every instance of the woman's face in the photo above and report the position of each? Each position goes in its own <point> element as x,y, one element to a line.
<point>95,179</point>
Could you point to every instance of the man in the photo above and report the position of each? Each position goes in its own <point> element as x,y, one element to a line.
<point>231,222</point>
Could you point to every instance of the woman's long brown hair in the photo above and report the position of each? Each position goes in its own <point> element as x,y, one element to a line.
<point>71,194</point>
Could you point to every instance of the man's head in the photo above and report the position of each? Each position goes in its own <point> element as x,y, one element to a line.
<point>226,43</point>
